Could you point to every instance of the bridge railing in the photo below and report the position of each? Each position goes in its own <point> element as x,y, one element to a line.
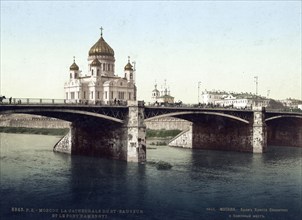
<point>33,101</point>
<point>41,101</point>
<point>45,101</point>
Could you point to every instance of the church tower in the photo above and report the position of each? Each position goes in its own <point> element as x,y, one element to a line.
<point>129,72</point>
<point>95,68</point>
<point>155,93</point>
<point>74,70</point>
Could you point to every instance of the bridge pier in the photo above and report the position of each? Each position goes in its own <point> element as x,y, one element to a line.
<point>94,139</point>
<point>125,141</point>
<point>259,132</point>
<point>136,133</point>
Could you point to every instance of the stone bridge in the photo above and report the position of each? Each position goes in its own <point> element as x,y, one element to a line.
<point>119,132</point>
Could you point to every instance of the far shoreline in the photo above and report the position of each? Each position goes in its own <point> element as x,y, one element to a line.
<point>40,131</point>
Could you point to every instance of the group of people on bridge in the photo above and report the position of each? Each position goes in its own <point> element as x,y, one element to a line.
<point>9,100</point>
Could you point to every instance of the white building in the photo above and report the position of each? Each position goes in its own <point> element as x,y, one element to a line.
<point>241,101</point>
<point>100,85</point>
<point>232,101</point>
<point>210,97</point>
<point>292,103</point>
<point>235,100</point>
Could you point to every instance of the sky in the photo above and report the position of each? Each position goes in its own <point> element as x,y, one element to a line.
<point>219,45</point>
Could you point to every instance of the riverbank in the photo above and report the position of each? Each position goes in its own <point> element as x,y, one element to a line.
<point>160,137</point>
<point>162,133</point>
<point>43,131</point>
<point>152,134</point>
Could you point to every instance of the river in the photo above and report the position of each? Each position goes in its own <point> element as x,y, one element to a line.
<point>37,183</point>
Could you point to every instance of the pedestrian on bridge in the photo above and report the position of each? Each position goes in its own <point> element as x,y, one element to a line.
<point>10,100</point>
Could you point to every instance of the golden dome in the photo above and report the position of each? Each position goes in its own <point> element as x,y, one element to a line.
<point>101,48</point>
<point>95,62</point>
<point>128,66</point>
<point>74,66</point>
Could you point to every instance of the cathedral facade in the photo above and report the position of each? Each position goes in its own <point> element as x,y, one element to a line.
<point>100,85</point>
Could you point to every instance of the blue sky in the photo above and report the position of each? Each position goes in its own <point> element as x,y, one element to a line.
<point>222,44</point>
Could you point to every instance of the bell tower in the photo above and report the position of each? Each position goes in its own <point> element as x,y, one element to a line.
<point>129,72</point>
<point>74,70</point>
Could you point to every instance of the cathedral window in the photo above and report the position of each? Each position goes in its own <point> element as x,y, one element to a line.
<point>84,95</point>
<point>111,95</point>
<point>108,67</point>
<point>121,95</point>
<point>91,95</point>
<point>104,67</point>
<point>70,75</point>
<point>98,72</point>
<point>72,95</point>
<point>91,72</point>
<point>98,95</point>
<point>131,76</point>
<point>129,95</point>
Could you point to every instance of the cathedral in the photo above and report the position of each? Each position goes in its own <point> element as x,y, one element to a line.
<point>100,85</point>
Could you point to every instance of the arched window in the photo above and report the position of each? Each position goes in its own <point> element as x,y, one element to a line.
<point>98,72</point>
<point>70,75</point>
<point>131,76</point>
<point>92,72</point>
<point>104,67</point>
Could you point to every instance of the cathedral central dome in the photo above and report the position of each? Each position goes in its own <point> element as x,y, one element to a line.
<point>101,48</point>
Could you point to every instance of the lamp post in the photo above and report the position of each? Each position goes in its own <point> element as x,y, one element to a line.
<point>198,91</point>
<point>256,81</point>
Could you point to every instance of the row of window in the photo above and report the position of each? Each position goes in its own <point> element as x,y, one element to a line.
<point>233,101</point>
<point>106,67</point>
<point>121,95</point>
<point>75,75</point>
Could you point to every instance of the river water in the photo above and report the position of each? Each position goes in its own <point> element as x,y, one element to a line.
<point>37,183</point>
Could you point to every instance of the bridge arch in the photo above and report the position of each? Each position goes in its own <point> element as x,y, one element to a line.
<point>283,116</point>
<point>200,113</point>
<point>66,111</point>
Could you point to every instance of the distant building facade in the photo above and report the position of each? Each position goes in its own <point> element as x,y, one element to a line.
<point>235,100</point>
<point>292,103</point>
<point>210,97</point>
<point>100,84</point>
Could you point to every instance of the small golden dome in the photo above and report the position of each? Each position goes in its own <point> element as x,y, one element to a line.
<point>95,62</point>
<point>101,48</point>
<point>128,66</point>
<point>74,66</point>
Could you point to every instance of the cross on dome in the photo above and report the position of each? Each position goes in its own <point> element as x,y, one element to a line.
<point>101,28</point>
